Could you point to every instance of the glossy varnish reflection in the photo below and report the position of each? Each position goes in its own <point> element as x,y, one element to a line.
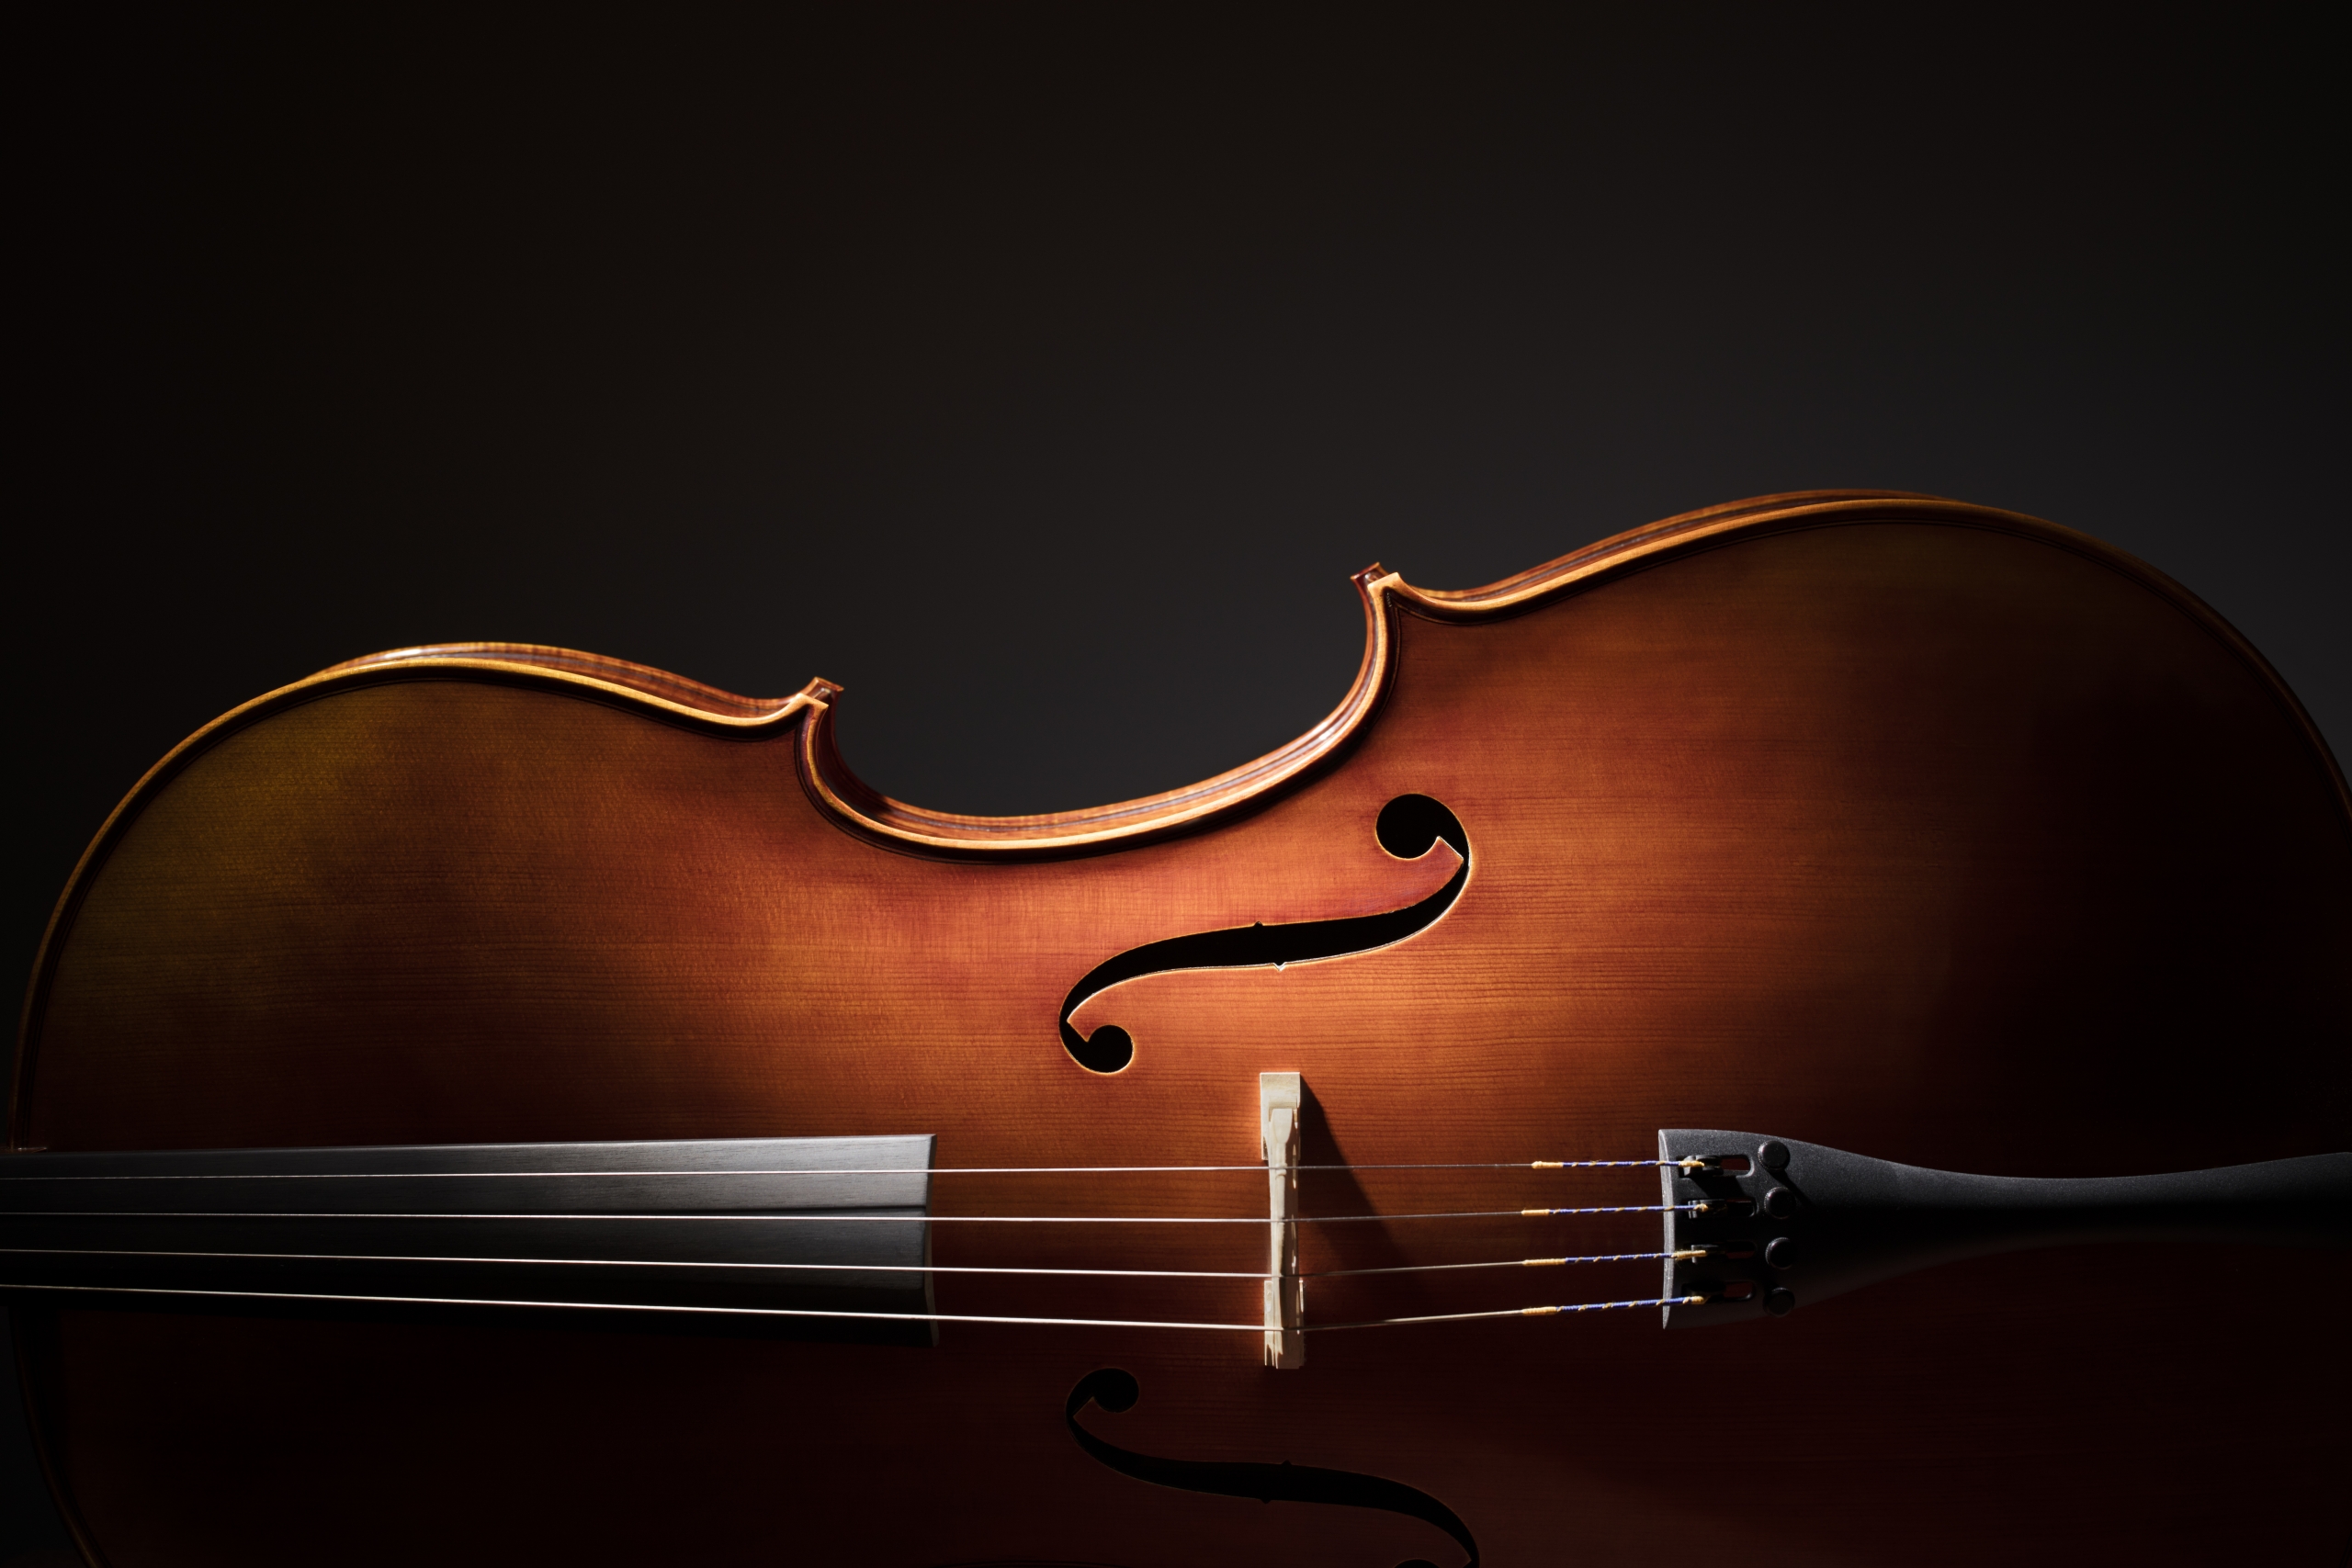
<point>1905,827</point>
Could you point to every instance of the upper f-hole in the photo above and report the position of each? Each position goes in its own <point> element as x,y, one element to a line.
<point>1409,827</point>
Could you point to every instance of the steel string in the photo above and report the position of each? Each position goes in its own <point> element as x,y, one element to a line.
<point>863,1218</point>
<point>873,1316</point>
<point>1260,1168</point>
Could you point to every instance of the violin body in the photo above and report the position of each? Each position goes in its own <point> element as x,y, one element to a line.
<point>1893,824</point>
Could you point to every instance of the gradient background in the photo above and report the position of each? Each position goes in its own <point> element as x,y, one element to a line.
<point>1041,373</point>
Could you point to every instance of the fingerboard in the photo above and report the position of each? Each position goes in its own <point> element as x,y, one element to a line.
<point>734,1232</point>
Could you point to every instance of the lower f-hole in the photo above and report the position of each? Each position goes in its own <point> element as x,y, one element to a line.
<point>1409,827</point>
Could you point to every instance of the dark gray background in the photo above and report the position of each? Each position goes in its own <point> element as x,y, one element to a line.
<point>1040,374</point>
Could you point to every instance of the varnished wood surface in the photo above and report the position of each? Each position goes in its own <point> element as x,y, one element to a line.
<point>1930,833</point>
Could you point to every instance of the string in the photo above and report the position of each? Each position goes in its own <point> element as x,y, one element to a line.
<point>1502,1263</point>
<point>862,1219</point>
<point>1260,1168</point>
<point>640,1306</point>
<point>845,1267</point>
<point>642,1263</point>
<point>1506,1312</point>
<point>873,1316</point>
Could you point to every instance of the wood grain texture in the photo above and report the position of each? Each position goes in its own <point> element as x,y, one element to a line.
<point>1886,823</point>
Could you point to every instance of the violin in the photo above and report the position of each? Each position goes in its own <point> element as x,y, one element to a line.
<point>1641,1080</point>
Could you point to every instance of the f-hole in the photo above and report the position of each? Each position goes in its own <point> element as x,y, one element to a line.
<point>1409,827</point>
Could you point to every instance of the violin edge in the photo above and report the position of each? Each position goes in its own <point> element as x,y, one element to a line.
<point>1383,593</point>
<point>864,813</point>
<point>869,814</point>
<point>673,692</point>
